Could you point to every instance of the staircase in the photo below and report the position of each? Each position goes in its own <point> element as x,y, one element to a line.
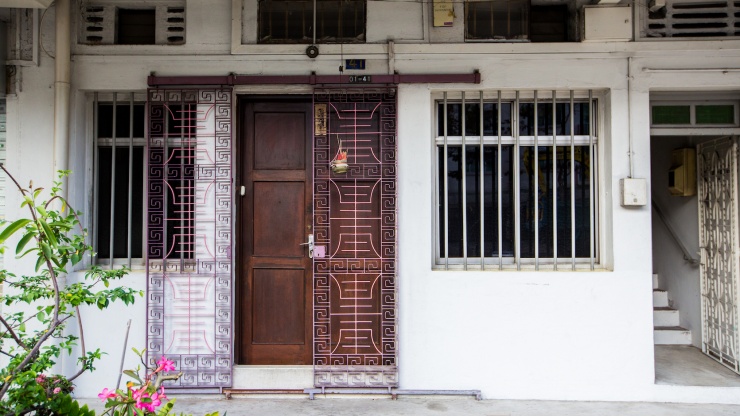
<point>666,324</point>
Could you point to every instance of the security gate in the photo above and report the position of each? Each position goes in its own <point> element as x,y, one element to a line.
<point>354,255</point>
<point>717,166</point>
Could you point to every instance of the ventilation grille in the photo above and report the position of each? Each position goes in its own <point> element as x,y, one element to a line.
<point>681,18</point>
<point>98,25</point>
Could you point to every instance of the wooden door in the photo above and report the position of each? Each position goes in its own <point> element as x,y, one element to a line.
<point>275,296</point>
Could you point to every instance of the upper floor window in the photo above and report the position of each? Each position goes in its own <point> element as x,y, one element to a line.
<point>294,21</point>
<point>516,181</point>
<point>107,22</point>
<point>691,18</point>
<point>515,20</point>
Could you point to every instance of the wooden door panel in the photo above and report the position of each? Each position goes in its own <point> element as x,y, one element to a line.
<point>280,208</point>
<point>275,276</point>
<point>277,146</point>
<point>278,311</point>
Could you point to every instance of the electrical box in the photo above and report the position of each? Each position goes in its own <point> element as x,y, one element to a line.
<point>682,175</point>
<point>606,23</point>
<point>633,192</point>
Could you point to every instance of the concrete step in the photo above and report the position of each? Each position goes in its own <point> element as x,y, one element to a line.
<point>665,317</point>
<point>656,282</point>
<point>671,335</point>
<point>660,298</point>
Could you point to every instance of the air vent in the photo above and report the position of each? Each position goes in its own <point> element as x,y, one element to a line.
<point>119,23</point>
<point>695,19</point>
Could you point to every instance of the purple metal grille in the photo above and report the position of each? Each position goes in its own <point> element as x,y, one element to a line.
<point>189,272</point>
<point>355,226</point>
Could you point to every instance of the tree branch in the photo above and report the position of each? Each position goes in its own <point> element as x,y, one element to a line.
<point>82,345</point>
<point>12,333</point>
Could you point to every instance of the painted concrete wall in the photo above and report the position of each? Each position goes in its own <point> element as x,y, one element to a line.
<point>518,335</point>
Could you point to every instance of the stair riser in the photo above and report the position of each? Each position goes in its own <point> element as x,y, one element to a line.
<point>660,299</point>
<point>666,318</point>
<point>671,337</point>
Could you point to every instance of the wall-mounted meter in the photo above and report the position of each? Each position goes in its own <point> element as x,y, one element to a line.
<point>682,176</point>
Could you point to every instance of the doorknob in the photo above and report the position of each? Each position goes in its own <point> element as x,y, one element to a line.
<point>310,246</point>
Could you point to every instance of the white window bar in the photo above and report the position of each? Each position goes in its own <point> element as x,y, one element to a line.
<point>482,185</point>
<point>517,184</point>
<point>113,184</point>
<point>500,204</point>
<point>464,172</point>
<point>445,189</point>
<point>130,177</point>
<point>536,189</point>
<point>554,182</point>
<point>96,168</point>
<point>572,183</point>
<point>591,164</point>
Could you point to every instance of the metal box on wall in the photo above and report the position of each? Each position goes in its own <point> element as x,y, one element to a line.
<point>682,175</point>
<point>606,23</point>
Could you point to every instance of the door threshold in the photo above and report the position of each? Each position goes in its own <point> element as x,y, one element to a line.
<point>272,377</point>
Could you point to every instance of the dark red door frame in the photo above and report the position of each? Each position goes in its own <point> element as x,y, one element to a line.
<point>313,79</point>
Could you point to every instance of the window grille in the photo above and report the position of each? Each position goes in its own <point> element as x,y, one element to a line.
<point>296,21</point>
<point>130,23</point>
<point>119,140</point>
<point>504,210</point>
<point>497,20</point>
<point>692,18</point>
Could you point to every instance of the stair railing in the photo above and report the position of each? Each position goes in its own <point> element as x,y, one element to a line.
<point>672,231</point>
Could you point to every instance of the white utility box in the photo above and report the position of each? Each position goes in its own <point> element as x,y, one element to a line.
<point>606,23</point>
<point>633,192</point>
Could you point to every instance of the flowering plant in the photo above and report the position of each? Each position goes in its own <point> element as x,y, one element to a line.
<point>144,394</point>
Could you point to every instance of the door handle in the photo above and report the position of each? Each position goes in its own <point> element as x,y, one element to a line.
<point>310,246</point>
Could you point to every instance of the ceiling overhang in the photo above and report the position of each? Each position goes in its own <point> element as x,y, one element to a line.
<point>26,4</point>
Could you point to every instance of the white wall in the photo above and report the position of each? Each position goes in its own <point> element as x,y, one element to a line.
<point>516,335</point>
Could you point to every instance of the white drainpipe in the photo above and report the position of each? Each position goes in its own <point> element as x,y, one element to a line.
<point>61,112</point>
<point>61,88</point>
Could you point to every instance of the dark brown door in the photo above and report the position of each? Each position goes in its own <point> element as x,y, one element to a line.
<point>275,296</point>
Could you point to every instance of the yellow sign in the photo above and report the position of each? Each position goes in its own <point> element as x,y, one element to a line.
<point>444,13</point>
<point>320,120</point>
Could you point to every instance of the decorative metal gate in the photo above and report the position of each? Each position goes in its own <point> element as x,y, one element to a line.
<point>355,236</point>
<point>718,221</point>
<point>189,206</point>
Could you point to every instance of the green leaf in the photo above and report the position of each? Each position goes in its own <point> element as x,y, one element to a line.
<point>42,211</point>
<point>22,327</point>
<point>40,262</point>
<point>22,244</point>
<point>133,375</point>
<point>41,316</point>
<point>12,228</point>
<point>46,249</point>
<point>49,234</point>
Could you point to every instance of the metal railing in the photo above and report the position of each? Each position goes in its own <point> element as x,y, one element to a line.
<point>672,231</point>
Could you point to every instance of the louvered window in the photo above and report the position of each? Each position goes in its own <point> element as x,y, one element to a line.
<point>682,18</point>
<point>120,23</point>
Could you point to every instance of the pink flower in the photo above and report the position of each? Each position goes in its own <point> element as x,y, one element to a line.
<point>40,378</point>
<point>165,365</point>
<point>105,394</point>
<point>57,390</point>
<point>144,402</point>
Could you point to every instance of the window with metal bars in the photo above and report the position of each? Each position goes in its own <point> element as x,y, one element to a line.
<point>118,133</point>
<point>119,136</point>
<point>516,180</point>
<point>296,21</point>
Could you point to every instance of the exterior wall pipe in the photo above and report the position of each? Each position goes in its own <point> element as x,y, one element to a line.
<point>62,87</point>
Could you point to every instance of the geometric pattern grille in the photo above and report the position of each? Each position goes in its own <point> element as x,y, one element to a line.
<point>718,212</point>
<point>189,233</point>
<point>354,286</point>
